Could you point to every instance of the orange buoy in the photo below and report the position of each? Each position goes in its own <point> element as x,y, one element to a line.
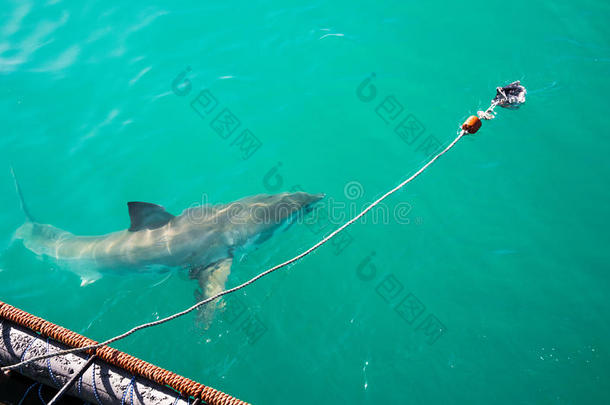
<point>472,124</point>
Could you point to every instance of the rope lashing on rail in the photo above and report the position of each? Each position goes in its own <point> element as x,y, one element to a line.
<point>95,393</point>
<point>49,367</point>
<point>112,356</point>
<point>25,352</point>
<point>510,96</point>
<point>77,376</point>
<point>129,389</point>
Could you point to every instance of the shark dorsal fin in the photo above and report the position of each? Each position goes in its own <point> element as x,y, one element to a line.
<point>147,216</point>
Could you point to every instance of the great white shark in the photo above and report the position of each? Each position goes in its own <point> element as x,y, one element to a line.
<point>202,238</point>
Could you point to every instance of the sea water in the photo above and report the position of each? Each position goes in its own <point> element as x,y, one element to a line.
<point>485,280</point>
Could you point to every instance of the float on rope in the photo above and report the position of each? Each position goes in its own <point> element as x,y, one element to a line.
<point>510,96</point>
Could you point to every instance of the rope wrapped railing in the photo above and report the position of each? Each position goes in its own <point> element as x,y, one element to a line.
<point>510,96</point>
<point>186,387</point>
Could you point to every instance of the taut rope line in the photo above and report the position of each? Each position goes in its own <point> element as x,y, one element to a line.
<point>245,284</point>
<point>469,127</point>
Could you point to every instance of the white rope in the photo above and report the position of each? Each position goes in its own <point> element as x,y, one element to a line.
<point>488,114</point>
<point>252,280</point>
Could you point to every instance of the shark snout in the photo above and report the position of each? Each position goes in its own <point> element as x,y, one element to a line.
<point>313,199</point>
<point>317,197</point>
<point>285,205</point>
<point>268,211</point>
<point>301,201</point>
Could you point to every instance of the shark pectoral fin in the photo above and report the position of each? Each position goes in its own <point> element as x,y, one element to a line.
<point>212,280</point>
<point>89,278</point>
<point>147,216</point>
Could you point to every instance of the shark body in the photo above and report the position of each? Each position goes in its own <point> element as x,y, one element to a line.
<point>202,238</point>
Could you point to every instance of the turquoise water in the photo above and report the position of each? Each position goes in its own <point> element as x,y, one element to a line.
<point>501,248</point>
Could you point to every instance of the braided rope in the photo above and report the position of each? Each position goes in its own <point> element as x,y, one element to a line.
<point>154,373</point>
<point>26,393</point>
<point>117,358</point>
<point>103,348</point>
<point>129,387</point>
<point>49,367</point>
<point>95,394</point>
<point>40,395</point>
<point>25,352</point>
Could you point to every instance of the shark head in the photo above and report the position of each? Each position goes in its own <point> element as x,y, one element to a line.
<point>226,229</point>
<point>212,232</point>
<point>257,218</point>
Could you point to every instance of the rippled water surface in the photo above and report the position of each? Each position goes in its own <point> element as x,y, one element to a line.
<point>502,246</point>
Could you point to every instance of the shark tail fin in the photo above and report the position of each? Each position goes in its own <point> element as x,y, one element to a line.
<point>24,207</point>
